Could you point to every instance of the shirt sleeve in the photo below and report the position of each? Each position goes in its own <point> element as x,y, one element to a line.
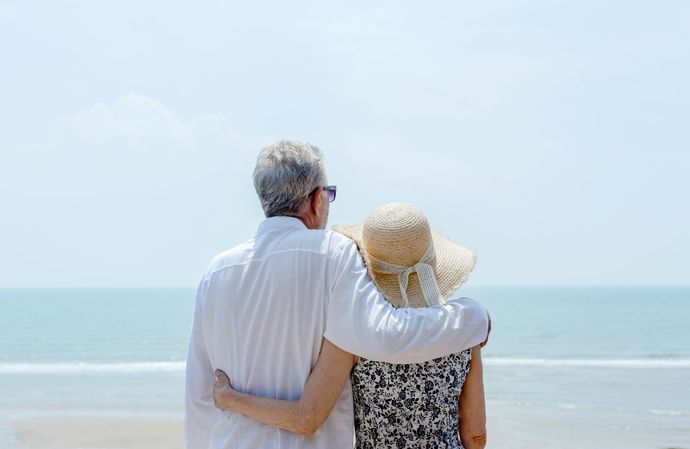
<point>359,319</point>
<point>200,411</point>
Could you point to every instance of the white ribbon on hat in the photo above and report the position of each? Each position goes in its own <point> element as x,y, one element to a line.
<point>425,272</point>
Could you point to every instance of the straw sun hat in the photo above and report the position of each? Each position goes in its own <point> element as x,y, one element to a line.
<point>400,250</point>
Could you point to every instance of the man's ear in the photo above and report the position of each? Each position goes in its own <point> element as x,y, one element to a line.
<point>315,202</point>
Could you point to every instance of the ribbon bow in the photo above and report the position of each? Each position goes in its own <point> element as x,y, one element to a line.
<point>425,272</point>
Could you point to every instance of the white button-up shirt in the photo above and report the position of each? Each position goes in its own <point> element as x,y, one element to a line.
<point>262,309</point>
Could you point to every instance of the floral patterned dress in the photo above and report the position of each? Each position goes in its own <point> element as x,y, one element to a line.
<point>409,406</point>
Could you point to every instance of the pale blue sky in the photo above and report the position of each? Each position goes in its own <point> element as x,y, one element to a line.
<point>550,136</point>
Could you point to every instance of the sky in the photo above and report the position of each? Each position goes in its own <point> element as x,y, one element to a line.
<point>550,136</point>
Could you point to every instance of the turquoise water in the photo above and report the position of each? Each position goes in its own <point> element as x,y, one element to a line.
<point>94,325</point>
<point>600,366</point>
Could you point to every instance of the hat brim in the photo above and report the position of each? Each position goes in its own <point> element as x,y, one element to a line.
<point>454,263</point>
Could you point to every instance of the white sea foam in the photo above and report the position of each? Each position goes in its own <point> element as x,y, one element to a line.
<point>81,367</point>
<point>147,367</point>
<point>567,406</point>
<point>669,412</point>
<point>595,363</point>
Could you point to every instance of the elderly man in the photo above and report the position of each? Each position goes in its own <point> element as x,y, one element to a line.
<point>264,307</point>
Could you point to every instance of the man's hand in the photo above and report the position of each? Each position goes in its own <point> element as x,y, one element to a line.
<point>482,344</point>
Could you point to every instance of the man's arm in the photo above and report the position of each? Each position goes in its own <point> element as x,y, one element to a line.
<point>361,321</point>
<point>200,412</point>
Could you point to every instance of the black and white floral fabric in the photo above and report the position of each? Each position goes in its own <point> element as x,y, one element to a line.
<point>409,406</point>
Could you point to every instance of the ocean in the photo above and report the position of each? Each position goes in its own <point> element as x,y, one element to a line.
<point>566,366</point>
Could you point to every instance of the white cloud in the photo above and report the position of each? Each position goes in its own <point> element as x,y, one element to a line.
<point>132,144</point>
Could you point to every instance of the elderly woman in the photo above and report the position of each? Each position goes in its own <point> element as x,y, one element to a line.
<point>438,403</point>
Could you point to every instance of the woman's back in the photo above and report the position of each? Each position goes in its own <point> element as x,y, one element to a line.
<point>409,406</point>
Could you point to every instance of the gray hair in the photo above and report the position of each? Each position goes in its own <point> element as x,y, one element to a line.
<point>285,174</point>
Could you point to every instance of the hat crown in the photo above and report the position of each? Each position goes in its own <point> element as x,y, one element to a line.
<point>397,233</point>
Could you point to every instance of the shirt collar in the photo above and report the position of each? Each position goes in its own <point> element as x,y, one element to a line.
<point>280,222</point>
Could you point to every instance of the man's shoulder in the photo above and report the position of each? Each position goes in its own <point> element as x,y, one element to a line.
<point>230,256</point>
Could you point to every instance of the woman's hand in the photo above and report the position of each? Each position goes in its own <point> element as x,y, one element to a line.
<point>223,393</point>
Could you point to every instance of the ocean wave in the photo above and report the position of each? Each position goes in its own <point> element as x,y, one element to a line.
<point>178,366</point>
<point>669,412</point>
<point>641,363</point>
<point>82,367</point>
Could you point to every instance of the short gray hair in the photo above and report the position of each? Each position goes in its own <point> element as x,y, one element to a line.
<point>285,174</point>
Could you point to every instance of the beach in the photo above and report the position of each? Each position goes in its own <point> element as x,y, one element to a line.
<point>93,432</point>
<point>596,367</point>
<point>109,433</point>
<point>88,432</point>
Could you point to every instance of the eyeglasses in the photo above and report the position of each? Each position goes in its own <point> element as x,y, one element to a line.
<point>331,192</point>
